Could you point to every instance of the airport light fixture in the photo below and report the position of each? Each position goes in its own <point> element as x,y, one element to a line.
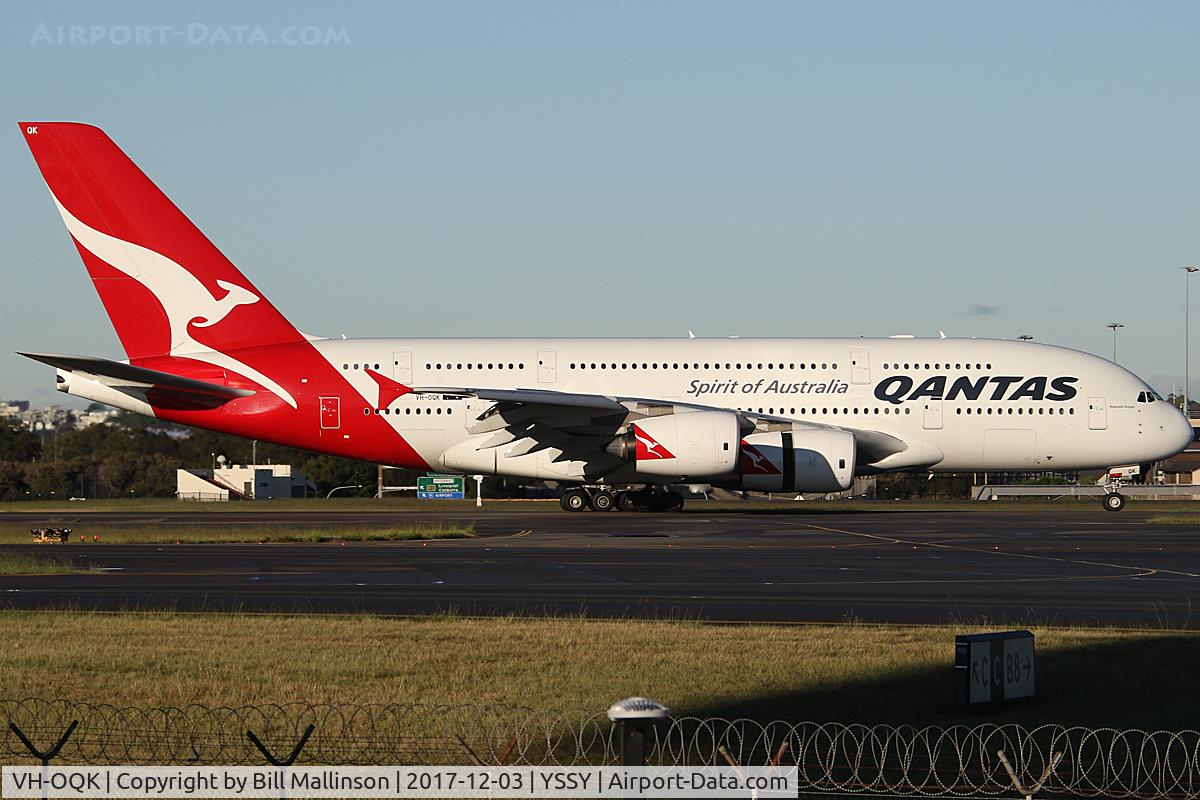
<point>1187,362</point>
<point>637,708</point>
<point>636,718</point>
<point>1115,326</point>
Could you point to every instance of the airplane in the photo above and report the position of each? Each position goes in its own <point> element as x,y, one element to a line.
<point>619,420</point>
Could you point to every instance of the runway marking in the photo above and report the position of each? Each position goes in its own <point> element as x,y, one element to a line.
<point>894,540</point>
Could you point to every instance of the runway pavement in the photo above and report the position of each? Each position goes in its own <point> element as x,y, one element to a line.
<point>1073,567</point>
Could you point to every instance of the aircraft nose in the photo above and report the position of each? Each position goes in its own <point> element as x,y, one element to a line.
<point>1177,431</point>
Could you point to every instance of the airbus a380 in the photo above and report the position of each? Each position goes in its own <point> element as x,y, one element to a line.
<point>620,419</point>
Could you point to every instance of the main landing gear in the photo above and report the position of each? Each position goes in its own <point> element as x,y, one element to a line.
<point>604,499</point>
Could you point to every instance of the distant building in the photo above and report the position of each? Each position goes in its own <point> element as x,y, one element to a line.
<point>53,417</point>
<point>95,416</point>
<point>13,408</point>
<point>261,482</point>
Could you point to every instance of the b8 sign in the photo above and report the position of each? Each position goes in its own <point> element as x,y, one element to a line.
<point>994,667</point>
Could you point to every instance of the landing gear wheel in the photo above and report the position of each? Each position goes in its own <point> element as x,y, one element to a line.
<point>1114,502</point>
<point>627,501</point>
<point>575,500</point>
<point>664,501</point>
<point>602,501</point>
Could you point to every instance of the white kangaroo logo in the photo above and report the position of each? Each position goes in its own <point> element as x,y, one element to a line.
<point>183,297</point>
<point>758,461</point>
<point>651,446</point>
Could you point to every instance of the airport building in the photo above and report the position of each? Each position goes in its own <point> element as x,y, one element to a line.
<point>258,482</point>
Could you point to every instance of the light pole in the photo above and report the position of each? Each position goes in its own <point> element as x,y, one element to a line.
<point>1114,326</point>
<point>1187,361</point>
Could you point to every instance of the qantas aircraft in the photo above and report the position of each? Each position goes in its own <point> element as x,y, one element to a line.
<point>619,419</point>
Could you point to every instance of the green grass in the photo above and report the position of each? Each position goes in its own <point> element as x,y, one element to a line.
<point>1175,519</point>
<point>356,504</point>
<point>40,564</point>
<point>207,534</point>
<point>847,673</point>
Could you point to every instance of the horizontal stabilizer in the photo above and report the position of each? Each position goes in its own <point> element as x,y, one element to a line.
<point>136,376</point>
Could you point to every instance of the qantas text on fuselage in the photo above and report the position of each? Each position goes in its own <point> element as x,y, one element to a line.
<point>204,347</point>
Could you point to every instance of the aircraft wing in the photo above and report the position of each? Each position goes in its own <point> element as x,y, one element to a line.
<point>581,426</point>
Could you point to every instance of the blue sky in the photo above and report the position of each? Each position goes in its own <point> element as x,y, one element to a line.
<point>562,169</point>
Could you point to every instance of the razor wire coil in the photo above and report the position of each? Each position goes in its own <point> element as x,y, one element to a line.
<point>929,761</point>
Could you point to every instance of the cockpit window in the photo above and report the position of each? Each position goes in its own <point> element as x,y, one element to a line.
<point>1148,396</point>
<point>1142,397</point>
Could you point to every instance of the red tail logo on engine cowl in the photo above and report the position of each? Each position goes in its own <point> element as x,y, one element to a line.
<point>647,448</point>
<point>755,463</point>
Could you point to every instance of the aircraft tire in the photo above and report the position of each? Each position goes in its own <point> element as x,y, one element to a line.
<point>1114,502</point>
<point>575,500</point>
<point>602,501</point>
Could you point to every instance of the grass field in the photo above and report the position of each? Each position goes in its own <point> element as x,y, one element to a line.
<point>1175,519</point>
<point>357,504</point>
<point>847,673</point>
<point>207,534</point>
<point>40,564</point>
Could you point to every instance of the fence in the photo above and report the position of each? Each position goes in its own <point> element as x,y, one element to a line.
<point>827,757</point>
<point>1168,491</point>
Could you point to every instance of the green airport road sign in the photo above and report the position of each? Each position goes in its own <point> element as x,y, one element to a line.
<point>440,487</point>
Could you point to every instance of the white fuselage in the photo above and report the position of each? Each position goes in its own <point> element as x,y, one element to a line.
<point>959,404</point>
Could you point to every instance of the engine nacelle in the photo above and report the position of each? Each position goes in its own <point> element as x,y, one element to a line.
<point>798,461</point>
<point>686,444</point>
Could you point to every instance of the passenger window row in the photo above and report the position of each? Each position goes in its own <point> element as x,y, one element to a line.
<point>936,365</point>
<point>478,365</point>
<point>409,411</point>
<point>1010,410</point>
<point>681,365</point>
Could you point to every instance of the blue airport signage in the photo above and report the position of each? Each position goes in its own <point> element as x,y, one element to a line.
<point>440,487</point>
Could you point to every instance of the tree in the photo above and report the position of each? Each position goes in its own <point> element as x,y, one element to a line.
<point>12,481</point>
<point>18,443</point>
<point>329,472</point>
<point>49,479</point>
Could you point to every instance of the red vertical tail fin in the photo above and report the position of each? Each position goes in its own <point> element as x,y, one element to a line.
<point>165,286</point>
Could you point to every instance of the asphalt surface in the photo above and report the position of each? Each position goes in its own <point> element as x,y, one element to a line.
<point>1072,567</point>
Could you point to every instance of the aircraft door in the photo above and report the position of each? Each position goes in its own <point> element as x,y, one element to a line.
<point>933,414</point>
<point>331,413</point>
<point>860,366</point>
<point>1097,414</point>
<point>402,367</point>
<point>547,373</point>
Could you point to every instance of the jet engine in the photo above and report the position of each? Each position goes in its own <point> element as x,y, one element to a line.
<point>682,445</point>
<point>814,460</point>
